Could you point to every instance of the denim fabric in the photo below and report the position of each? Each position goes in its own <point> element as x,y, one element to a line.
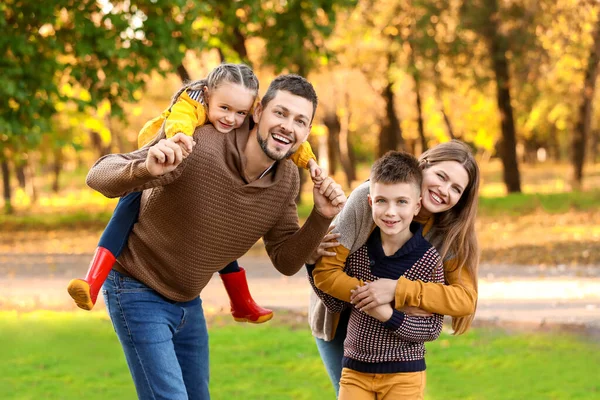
<point>165,342</point>
<point>117,231</point>
<point>332,352</point>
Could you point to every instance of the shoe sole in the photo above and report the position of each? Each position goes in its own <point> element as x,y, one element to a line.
<point>79,290</point>
<point>262,319</point>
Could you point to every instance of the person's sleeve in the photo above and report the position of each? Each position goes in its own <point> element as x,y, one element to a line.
<point>330,277</point>
<point>457,298</point>
<point>116,175</point>
<point>303,155</point>
<point>419,329</point>
<point>287,244</point>
<point>151,128</point>
<point>331,303</point>
<point>415,329</point>
<point>186,114</point>
<point>355,222</point>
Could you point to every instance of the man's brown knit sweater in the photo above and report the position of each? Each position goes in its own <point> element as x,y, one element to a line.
<point>205,214</point>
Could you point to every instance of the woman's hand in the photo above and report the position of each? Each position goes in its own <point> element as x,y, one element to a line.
<point>329,241</point>
<point>373,294</point>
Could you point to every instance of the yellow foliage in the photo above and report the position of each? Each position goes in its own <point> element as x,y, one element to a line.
<point>103,109</point>
<point>85,95</point>
<point>318,130</point>
<point>137,111</point>
<point>13,104</point>
<point>66,90</point>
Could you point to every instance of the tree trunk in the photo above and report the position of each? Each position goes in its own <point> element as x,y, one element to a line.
<point>390,136</point>
<point>508,143</point>
<point>346,156</point>
<point>420,123</point>
<point>594,143</point>
<point>582,129</point>
<point>20,174</point>
<point>97,144</point>
<point>553,146</point>
<point>332,122</point>
<point>183,73</point>
<point>239,45</point>
<point>31,189</point>
<point>56,169</point>
<point>8,208</point>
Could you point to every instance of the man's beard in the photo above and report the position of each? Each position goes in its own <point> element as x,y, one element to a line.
<point>272,155</point>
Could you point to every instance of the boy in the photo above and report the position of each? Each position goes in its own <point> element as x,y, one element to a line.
<point>384,348</point>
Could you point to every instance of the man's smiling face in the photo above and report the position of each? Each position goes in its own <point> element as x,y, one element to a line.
<point>283,125</point>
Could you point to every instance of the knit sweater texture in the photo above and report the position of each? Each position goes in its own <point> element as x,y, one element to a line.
<point>207,213</point>
<point>396,345</point>
<point>355,223</point>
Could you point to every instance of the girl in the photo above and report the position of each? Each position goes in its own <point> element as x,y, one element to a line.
<point>223,99</point>
<point>449,206</point>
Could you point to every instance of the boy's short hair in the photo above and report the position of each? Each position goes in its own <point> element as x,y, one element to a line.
<point>397,167</point>
<point>296,85</point>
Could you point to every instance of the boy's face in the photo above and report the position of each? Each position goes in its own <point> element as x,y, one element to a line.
<point>394,206</point>
<point>228,106</point>
<point>283,124</point>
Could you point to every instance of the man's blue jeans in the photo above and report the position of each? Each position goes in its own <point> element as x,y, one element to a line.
<point>165,342</point>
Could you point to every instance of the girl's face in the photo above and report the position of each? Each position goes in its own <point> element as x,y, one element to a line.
<point>228,106</point>
<point>443,186</point>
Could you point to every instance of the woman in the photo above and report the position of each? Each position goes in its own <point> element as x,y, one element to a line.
<point>449,207</point>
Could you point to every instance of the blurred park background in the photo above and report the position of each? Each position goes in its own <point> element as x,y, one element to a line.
<point>515,79</point>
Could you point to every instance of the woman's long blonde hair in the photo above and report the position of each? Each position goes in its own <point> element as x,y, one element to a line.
<point>453,231</point>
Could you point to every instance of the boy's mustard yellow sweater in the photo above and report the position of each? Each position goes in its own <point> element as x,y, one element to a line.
<point>187,114</point>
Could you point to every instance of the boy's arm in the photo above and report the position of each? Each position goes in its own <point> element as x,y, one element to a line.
<point>415,329</point>
<point>116,175</point>
<point>418,329</point>
<point>458,298</point>
<point>331,303</point>
<point>186,114</point>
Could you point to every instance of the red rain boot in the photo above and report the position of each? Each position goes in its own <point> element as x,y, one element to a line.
<point>243,307</point>
<point>85,291</point>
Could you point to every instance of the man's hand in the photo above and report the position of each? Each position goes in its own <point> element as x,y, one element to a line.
<point>329,240</point>
<point>329,198</point>
<point>381,313</point>
<point>373,294</point>
<point>167,154</point>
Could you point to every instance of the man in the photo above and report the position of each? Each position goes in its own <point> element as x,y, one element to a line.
<point>197,215</point>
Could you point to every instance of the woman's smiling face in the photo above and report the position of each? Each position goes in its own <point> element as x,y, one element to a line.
<point>443,186</point>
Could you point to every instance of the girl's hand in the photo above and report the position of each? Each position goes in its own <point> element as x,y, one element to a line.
<point>185,144</point>
<point>381,313</point>
<point>373,294</point>
<point>316,173</point>
<point>329,241</point>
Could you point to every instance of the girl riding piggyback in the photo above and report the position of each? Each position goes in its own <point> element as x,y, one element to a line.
<point>224,99</point>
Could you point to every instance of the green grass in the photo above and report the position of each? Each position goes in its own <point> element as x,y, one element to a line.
<point>65,220</point>
<point>48,355</point>
<point>555,203</point>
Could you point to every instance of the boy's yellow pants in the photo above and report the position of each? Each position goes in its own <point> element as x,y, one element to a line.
<point>356,385</point>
